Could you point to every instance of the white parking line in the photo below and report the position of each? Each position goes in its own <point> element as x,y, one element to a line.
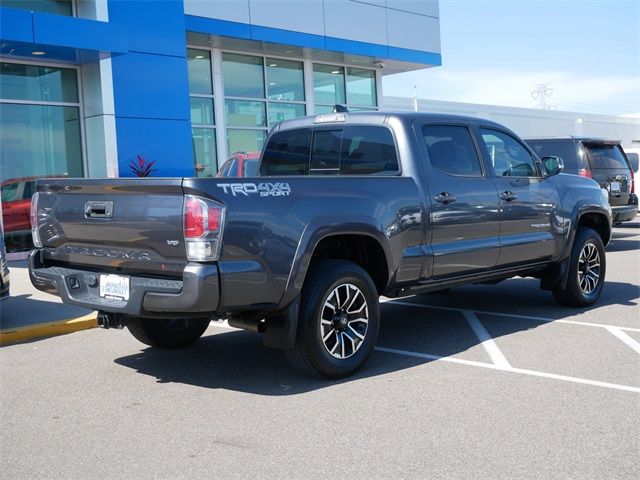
<point>511,315</point>
<point>625,338</point>
<point>534,373</point>
<point>485,339</point>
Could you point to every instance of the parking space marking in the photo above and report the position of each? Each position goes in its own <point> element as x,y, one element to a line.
<point>511,315</point>
<point>523,371</point>
<point>625,338</point>
<point>485,339</point>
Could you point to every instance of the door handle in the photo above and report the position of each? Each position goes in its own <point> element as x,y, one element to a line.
<point>508,196</point>
<point>445,198</point>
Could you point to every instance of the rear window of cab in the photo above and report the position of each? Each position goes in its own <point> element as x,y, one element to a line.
<point>344,150</point>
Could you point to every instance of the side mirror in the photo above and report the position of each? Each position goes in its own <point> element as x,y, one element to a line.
<point>552,165</point>
<point>633,160</point>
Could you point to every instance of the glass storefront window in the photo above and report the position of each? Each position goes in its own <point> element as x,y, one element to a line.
<point>204,151</point>
<point>285,80</point>
<point>285,111</point>
<point>328,84</point>
<point>245,140</point>
<point>199,66</point>
<point>361,87</point>
<point>243,76</point>
<point>333,85</point>
<point>202,111</point>
<point>245,113</point>
<point>40,140</point>
<point>203,120</point>
<point>38,83</point>
<point>59,7</point>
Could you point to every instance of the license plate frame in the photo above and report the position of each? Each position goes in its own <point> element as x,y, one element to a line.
<point>115,287</point>
<point>615,187</point>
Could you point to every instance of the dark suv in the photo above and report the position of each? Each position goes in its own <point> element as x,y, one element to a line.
<point>602,160</point>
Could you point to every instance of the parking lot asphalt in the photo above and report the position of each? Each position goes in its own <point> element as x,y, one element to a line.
<point>478,382</point>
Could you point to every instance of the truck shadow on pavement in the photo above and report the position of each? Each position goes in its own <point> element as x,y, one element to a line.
<point>24,310</point>
<point>236,360</point>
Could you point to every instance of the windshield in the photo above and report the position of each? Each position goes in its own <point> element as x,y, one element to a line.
<point>605,156</point>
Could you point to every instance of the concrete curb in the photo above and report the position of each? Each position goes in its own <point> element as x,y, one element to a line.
<point>49,329</point>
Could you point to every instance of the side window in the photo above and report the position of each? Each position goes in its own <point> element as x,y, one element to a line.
<point>451,150</point>
<point>368,150</point>
<point>287,153</point>
<point>325,152</point>
<point>508,156</point>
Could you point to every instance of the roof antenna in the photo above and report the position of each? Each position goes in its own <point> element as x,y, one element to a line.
<point>338,108</point>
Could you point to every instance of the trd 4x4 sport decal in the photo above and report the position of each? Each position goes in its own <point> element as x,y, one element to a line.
<point>279,189</point>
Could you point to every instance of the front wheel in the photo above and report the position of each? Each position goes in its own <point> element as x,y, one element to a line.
<point>339,320</point>
<point>587,268</point>
<point>163,333</point>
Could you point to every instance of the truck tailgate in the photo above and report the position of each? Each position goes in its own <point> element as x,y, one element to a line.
<point>122,224</point>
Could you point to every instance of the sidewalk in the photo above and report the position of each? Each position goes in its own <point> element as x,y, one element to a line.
<point>29,313</point>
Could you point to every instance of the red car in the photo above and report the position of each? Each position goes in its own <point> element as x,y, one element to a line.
<point>16,204</point>
<point>240,164</point>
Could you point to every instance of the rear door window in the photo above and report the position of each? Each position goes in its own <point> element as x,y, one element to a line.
<point>451,150</point>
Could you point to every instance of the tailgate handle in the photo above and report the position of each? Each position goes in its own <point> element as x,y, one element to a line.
<point>97,209</point>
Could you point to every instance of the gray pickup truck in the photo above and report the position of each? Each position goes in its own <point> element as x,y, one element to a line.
<point>347,207</point>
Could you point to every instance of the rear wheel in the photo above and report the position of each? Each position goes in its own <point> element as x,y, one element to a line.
<point>339,320</point>
<point>163,333</point>
<point>586,271</point>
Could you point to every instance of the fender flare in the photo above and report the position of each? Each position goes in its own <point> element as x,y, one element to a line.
<point>319,229</point>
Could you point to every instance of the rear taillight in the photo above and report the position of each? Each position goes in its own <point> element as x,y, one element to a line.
<point>633,181</point>
<point>35,233</point>
<point>202,226</point>
<point>585,172</point>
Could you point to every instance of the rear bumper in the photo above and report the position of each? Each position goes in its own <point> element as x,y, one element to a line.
<point>197,292</point>
<point>624,213</point>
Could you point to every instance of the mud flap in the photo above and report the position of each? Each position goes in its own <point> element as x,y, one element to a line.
<point>556,275</point>
<point>281,328</point>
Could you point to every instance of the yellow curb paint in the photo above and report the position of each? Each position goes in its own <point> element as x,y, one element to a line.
<point>49,329</point>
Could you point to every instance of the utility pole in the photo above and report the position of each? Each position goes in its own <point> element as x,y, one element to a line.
<point>541,93</point>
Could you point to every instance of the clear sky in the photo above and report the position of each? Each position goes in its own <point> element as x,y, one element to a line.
<point>497,51</point>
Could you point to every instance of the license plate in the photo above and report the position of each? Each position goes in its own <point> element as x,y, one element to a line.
<point>615,186</point>
<point>114,286</point>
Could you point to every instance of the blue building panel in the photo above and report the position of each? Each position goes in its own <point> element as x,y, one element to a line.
<point>167,142</point>
<point>153,27</point>
<point>415,56</point>
<point>150,86</point>
<point>79,33</point>
<point>15,25</point>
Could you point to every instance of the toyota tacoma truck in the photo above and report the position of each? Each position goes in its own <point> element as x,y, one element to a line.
<point>346,207</point>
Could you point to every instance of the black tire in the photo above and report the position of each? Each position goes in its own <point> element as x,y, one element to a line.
<point>168,334</point>
<point>311,355</point>
<point>581,291</point>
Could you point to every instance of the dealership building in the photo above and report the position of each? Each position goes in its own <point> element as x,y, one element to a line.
<point>89,86</point>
